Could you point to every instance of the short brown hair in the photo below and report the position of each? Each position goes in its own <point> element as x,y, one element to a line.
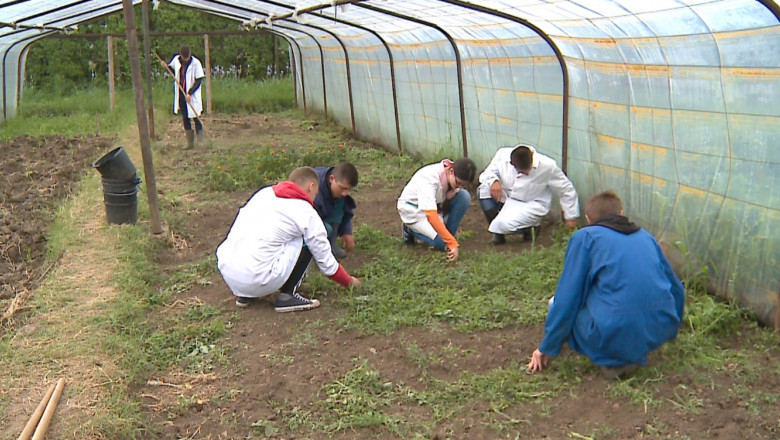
<point>602,204</point>
<point>303,175</point>
<point>522,158</point>
<point>465,169</point>
<point>345,172</point>
<point>185,51</point>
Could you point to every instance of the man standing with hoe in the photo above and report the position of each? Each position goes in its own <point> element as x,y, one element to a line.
<point>187,74</point>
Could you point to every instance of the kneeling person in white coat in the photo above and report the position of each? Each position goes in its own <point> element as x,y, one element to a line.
<point>516,191</point>
<point>271,242</point>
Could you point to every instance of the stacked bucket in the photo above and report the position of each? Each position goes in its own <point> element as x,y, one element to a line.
<point>120,186</point>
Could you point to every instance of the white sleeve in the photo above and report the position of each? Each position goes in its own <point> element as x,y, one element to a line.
<point>562,186</point>
<point>199,73</point>
<point>493,170</point>
<point>316,239</point>
<point>426,195</point>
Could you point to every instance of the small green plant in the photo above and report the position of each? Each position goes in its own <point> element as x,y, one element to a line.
<point>467,295</point>
<point>359,399</point>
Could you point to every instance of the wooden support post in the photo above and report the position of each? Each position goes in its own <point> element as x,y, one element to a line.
<point>777,312</point>
<point>207,56</point>
<point>143,126</point>
<point>276,54</point>
<point>111,91</point>
<point>148,67</point>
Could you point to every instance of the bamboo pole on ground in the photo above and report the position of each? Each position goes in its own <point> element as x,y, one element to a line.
<point>36,416</point>
<point>43,425</point>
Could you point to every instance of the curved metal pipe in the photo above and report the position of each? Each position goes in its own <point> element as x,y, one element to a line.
<point>458,64</point>
<point>558,54</point>
<point>18,79</point>
<point>381,40</point>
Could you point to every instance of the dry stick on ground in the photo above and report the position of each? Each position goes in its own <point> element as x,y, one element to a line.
<point>33,422</point>
<point>16,304</point>
<point>43,426</point>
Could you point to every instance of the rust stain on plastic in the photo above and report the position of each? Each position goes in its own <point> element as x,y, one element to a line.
<point>611,141</point>
<point>767,74</point>
<point>693,191</point>
<point>650,148</point>
<point>648,179</point>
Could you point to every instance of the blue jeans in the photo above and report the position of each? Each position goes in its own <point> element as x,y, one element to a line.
<point>489,203</point>
<point>458,206</point>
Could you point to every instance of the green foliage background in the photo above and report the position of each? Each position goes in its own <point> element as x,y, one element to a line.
<point>62,65</point>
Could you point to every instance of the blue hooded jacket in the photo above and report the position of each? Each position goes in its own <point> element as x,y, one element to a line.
<point>617,299</point>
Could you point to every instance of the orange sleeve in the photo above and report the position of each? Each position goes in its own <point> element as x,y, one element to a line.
<point>438,226</point>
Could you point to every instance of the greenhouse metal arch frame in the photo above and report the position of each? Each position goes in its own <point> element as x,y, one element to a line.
<point>673,105</point>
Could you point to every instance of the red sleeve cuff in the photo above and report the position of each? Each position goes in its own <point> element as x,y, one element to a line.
<point>342,277</point>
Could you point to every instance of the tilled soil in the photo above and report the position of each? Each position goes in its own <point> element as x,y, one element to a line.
<point>35,175</point>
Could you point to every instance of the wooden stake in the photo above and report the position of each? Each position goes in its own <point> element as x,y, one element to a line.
<point>33,422</point>
<point>43,426</point>
<point>777,312</point>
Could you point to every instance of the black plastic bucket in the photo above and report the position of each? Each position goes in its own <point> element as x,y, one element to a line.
<point>114,186</point>
<point>121,208</point>
<point>115,165</point>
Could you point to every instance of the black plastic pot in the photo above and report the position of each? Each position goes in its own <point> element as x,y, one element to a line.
<point>115,165</point>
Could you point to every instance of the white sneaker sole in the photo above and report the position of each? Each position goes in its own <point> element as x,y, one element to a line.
<point>313,305</point>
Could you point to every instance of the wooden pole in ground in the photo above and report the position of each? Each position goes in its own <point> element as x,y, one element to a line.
<point>33,422</point>
<point>276,55</point>
<point>140,113</point>
<point>148,66</point>
<point>777,312</point>
<point>207,59</point>
<point>111,91</point>
<point>43,426</point>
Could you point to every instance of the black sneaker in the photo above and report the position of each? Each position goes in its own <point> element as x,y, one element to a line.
<point>294,302</point>
<point>407,235</point>
<point>497,239</point>
<point>243,301</point>
<point>611,373</point>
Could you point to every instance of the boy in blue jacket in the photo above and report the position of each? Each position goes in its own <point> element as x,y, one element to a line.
<point>335,206</point>
<point>617,299</point>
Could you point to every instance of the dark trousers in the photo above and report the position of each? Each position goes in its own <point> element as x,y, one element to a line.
<point>184,109</point>
<point>296,276</point>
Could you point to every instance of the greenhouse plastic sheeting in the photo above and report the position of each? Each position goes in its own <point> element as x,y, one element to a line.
<point>672,103</point>
<point>22,22</point>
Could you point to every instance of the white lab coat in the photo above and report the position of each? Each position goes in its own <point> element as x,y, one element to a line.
<point>527,199</point>
<point>194,71</point>
<point>265,240</point>
<point>423,192</point>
